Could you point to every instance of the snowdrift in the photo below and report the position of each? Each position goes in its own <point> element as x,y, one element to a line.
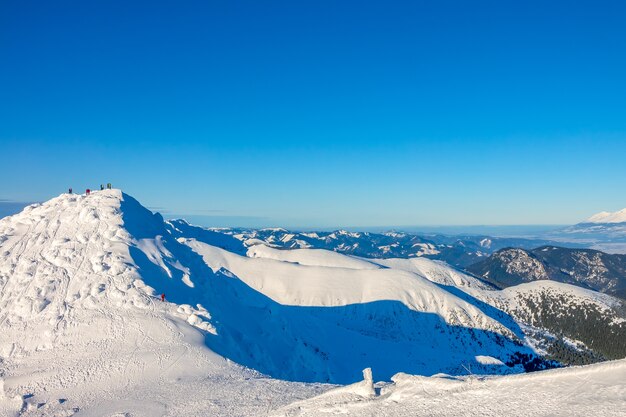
<point>597,390</point>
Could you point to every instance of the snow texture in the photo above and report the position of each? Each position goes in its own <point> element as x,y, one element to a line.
<point>243,330</point>
<point>594,390</point>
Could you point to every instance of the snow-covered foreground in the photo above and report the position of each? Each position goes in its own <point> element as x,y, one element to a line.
<point>244,331</point>
<point>593,390</point>
<point>82,334</point>
<point>124,363</point>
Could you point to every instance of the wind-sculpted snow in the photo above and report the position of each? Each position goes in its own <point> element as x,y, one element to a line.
<point>340,320</point>
<point>596,390</point>
<point>84,331</point>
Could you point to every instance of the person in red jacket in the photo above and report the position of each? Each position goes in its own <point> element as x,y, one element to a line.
<point>87,191</point>
<point>162,297</point>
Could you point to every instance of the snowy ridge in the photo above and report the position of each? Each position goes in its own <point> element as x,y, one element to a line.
<point>368,311</point>
<point>78,258</point>
<point>81,329</point>
<point>603,301</point>
<point>435,271</point>
<point>327,285</point>
<point>310,257</point>
<point>85,332</point>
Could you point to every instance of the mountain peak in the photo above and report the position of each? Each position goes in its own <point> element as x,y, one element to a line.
<point>608,217</point>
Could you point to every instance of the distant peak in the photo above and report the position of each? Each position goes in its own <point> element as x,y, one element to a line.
<point>608,217</point>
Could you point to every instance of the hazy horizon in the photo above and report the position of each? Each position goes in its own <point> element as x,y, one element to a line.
<point>8,208</point>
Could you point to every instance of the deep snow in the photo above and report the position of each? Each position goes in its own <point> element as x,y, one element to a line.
<point>593,390</point>
<point>83,331</point>
<point>83,334</point>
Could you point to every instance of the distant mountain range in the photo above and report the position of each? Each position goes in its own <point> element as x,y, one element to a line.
<point>97,293</point>
<point>458,250</point>
<point>586,268</point>
<point>605,231</point>
<point>604,226</point>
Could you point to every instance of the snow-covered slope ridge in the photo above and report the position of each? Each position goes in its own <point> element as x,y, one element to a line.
<point>298,315</point>
<point>81,331</point>
<point>77,257</point>
<point>435,271</point>
<point>81,251</point>
<point>71,251</point>
<point>312,257</point>
<point>296,284</point>
<point>343,319</point>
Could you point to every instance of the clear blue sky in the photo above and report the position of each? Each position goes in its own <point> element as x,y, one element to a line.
<point>319,113</point>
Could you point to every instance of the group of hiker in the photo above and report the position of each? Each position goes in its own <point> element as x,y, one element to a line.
<point>108,187</point>
<point>88,190</point>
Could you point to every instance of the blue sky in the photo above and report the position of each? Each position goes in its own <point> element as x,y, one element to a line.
<point>319,114</point>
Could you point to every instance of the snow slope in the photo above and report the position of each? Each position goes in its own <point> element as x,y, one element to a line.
<point>81,330</point>
<point>346,319</point>
<point>84,332</point>
<point>323,283</point>
<point>584,295</point>
<point>594,390</point>
<point>98,253</point>
<point>435,271</point>
<point>311,257</point>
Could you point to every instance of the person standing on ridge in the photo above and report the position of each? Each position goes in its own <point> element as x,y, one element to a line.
<point>162,297</point>
<point>109,186</point>
<point>87,191</point>
<point>101,187</point>
<point>70,190</point>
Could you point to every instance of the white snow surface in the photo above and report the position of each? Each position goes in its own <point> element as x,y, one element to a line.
<point>436,271</point>
<point>311,257</point>
<point>594,390</point>
<point>326,282</point>
<point>84,332</point>
<point>604,301</point>
<point>608,217</point>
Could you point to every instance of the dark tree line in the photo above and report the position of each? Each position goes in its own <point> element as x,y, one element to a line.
<point>602,332</point>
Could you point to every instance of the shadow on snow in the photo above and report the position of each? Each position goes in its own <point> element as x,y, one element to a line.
<point>312,344</point>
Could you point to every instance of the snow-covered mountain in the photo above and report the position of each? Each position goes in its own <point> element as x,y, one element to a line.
<point>604,231</point>
<point>84,331</point>
<point>608,217</point>
<point>459,251</point>
<point>583,267</point>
